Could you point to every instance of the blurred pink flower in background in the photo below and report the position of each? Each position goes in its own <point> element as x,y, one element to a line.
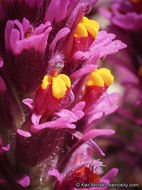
<point>52,93</point>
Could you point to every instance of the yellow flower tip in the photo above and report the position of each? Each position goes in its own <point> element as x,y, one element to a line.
<point>92,27</point>
<point>66,79</point>
<point>84,19</point>
<point>140,71</point>
<point>103,70</point>
<point>100,78</point>
<point>58,88</point>
<point>80,31</point>
<point>60,83</point>
<point>106,75</point>
<point>95,80</point>
<point>87,26</point>
<point>46,81</point>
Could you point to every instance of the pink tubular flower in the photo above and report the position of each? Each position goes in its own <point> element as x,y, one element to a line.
<point>99,47</point>
<point>52,93</point>
<point>25,141</point>
<point>45,133</point>
<point>45,121</point>
<point>17,9</point>
<point>132,87</point>
<point>125,14</point>
<point>82,169</point>
<point>26,46</point>
<point>26,37</point>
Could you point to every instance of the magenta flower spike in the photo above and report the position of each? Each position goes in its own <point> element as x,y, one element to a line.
<point>53,92</point>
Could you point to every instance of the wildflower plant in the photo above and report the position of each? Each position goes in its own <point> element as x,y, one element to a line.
<point>52,92</point>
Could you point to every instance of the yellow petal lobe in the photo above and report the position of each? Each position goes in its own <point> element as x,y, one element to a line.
<point>80,31</point>
<point>95,80</point>
<point>92,27</point>
<point>66,79</point>
<point>58,88</point>
<point>46,81</point>
<point>106,76</point>
<point>59,83</point>
<point>100,78</point>
<point>103,70</point>
<point>86,26</point>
